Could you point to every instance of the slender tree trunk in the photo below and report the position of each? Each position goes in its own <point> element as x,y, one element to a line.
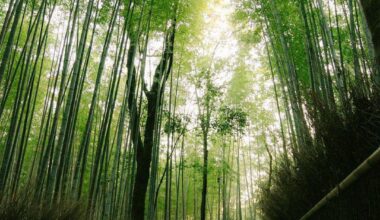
<point>238,190</point>
<point>205,125</point>
<point>224,182</point>
<point>204,174</point>
<point>270,163</point>
<point>7,19</point>
<point>11,36</point>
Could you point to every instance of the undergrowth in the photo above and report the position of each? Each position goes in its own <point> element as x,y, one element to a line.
<point>341,142</point>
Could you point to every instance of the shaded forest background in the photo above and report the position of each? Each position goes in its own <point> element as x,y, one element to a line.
<point>187,109</point>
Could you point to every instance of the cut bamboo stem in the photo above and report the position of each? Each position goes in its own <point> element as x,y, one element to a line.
<point>362,169</point>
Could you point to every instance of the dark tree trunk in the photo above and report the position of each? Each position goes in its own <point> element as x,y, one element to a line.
<point>371,10</point>
<point>154,98</point>
<point>144,157</point>
<point>204,183</point>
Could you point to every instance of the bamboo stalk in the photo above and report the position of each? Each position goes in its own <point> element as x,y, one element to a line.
<point>362,169</point>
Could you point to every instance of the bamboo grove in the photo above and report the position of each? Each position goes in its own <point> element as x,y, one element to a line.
<point>184,109</point>
<point>325,58</point>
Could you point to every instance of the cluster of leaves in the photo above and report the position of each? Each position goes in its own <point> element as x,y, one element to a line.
<point>230,120</point>
<point>175,124</point>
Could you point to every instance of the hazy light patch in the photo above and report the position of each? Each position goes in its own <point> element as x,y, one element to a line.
<point>219,32</point>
